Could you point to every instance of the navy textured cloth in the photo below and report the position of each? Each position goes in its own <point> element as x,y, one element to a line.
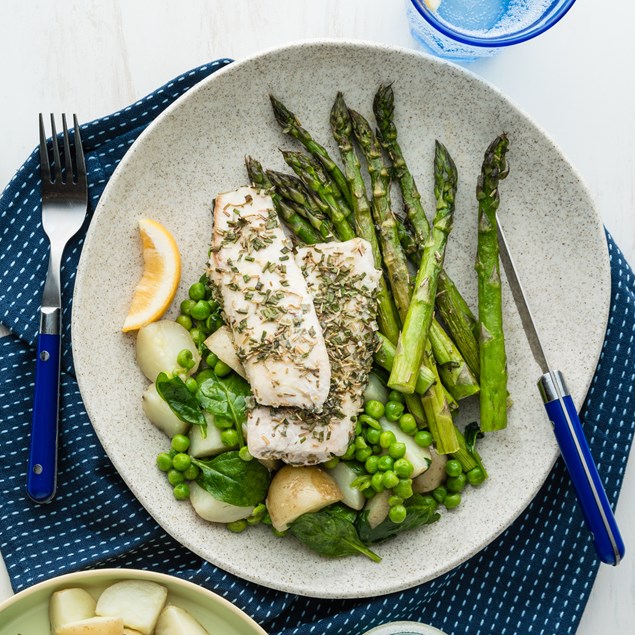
<point>535,578</point>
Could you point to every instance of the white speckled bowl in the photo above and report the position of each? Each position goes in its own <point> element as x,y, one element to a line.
<point>195,150</point>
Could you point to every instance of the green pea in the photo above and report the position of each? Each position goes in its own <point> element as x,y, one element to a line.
<point>229,437</point>
<point>394,410</point>
<point>452,500</point>
<point>395,500</point>
<point>440,494</point>
<point>403,468</point>
<point>385,463</point>
<point>377,482</point>
<point>185,321</point>
<point>172,453</point>
<point>395,395</point>
<point>408,423</point>
<point>221,368</point>
<point>204,375</point>
<point>475,476</point>
<point>244,454</point>
<point>164,461</point>
<point>350,452</point>
<point>237,527</point>
<point>331,463</point>
<point>181,461</point>
<point>453,468</point>
<point>184,359</point>
<point>397,449</point>
<point>211,359</point>
<point>374,408</point>
<point>191,384</point>
<point>180,443</point>
<point>377,449</point>
<point>369,421</point>
<point>360,443</point>
<point>371,464</point>
<point>390,479</point>
<point>197,291</point>
<point>201,310</point>
<point>397,514</point>
<point>222,423</point>
<point>198,337</point>
<point>456,483</point>
<point>192,472</point>
<point>213,322</point>
<point>175,477</point>
<point>404,488</point>
<point>372,436</point>
<point>362,454</point>
<point>423,438</point>
<point>186,306</point>
<point>181,491</point>
<point>359,428</point>
<point>386,439</point>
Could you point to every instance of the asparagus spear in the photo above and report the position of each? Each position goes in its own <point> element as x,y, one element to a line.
<point>385,356</point>
<point>294,221</point>
<point>453,370</point>
<point>291,188</point>
<point>313,176</point>
<point>394,257</point>
<point>493,360</point>
<point>452,308</point>
<point>291,125</point>
<point>342,127</point>
<point>416,326</point>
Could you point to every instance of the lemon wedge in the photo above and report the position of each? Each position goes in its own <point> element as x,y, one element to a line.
<point>161,276</point>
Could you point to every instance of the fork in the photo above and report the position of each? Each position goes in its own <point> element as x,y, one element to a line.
<point>64,204</point>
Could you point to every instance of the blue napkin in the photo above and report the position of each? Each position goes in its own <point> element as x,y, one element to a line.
<point>536,577</point>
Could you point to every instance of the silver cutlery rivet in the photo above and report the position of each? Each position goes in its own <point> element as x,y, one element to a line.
<point>37,469</point>
<point>44,356</point>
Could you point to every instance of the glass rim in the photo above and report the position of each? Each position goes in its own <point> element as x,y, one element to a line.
<point>496,41</point>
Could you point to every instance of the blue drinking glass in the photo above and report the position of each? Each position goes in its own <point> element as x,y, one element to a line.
<point>464,30</point>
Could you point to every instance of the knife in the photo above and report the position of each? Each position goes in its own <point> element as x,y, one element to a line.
<point>567,428</point>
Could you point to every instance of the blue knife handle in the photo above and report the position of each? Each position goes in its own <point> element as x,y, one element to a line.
<point>42,474</point>
<point>595,505</point>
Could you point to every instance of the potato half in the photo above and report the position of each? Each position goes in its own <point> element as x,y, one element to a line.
<point>93,626</point>
<point>177,621</point>
<point>299,490</point>
<point>138,602</point>
<point>70,605</point>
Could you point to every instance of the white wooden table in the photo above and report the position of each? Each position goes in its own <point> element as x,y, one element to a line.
<point>576,81</point>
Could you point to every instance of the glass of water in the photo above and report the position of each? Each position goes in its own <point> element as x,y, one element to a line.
<point>464,30</point>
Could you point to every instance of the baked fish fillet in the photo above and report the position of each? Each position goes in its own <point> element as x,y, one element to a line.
<point>266,303</point>
<point>343,281</point>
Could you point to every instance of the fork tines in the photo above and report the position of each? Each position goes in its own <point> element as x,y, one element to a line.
<point>72,170</point>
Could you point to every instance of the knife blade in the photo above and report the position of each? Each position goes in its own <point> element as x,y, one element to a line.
<point>561,411</point>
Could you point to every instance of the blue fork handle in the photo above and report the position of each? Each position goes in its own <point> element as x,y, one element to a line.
<point>595,505</point>
<point>42,474</point>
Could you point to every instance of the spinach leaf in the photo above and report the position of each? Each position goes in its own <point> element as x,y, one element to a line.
<point>226,399</point>
<point>330,535</point>
<point>230,479</point>
<point>181,401</point>
<point>343,511</point>
<point>421,511</point>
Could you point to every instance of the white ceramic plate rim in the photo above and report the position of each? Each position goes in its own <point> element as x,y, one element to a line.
<point>306,587</point>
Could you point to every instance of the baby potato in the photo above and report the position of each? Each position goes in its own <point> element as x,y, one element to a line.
<point>70,605</point>
<point>158,345</point>
<point>221,343</point>
<point>160,414</point>
<point>93,626</point>
<point>174,620</point>
<point>138,602</point>
<point>210,508</point>
<point>298,490</point>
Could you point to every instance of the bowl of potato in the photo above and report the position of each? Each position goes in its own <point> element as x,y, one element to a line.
<point>121,602</point>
